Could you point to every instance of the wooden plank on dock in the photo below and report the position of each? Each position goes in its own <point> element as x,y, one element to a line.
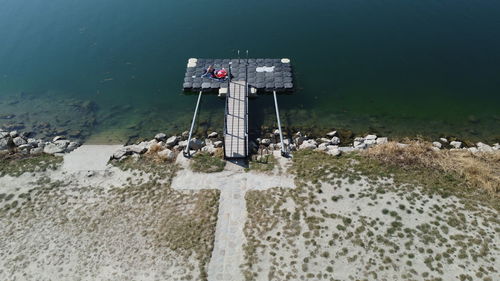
<point>235,137</point>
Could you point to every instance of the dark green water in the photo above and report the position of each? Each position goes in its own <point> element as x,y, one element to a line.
<point>395,67</point>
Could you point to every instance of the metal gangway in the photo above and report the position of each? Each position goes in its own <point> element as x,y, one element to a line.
<point>236,120</point>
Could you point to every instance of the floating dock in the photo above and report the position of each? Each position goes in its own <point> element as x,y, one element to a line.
<point>245,77</point>
<point>262,75</point>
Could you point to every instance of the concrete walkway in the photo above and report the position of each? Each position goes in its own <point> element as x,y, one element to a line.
<point>89,158</point>
<point>233,183</point>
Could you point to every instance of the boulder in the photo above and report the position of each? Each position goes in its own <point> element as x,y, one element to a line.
<point>322,147</point>
<point>299,140</point>
<point>19,141</point>
<point>137,148</point>
<point>128,150</point>
<point>333,152</point>
<point>182,144</point>
<point>185,134</point>
<point>443,140</point>
<point>56,147</point>
<point>32,141</point>
<point>167,155</point>
<point>496,146</point>
<point>4,134</point>
<point>218,144</point>
<point>308,144</point>
<point>196,144</point>
<point>213,135</point>
<point>121,152</point>
<point>324,140</point>
<point>36,150</point>
<point>331,134</point>
<point>371,137</point>
<point>265,141</point>
<point>13,134</point>
<point>335,140</point>
<point>370,143</point>
<point>24,147</point>
<point>56,138</point>
<point>209,149</point>
<point>359,142</point>
<point>346,149</point>
<point>456,144</point>
<point>360,145</point>
<point>4,143</point>
<point>72,146</point>
<point>160,137</point>
<point>277,132</point>
<point>172,141</point>
<point>482,147</point>
<point>292,147</point>
<point>437,144</point>
<point>382,140</point>
<point>473,149</point>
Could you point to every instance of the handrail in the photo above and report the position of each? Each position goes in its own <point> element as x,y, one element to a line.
<point>226,109</point>
<point>246,107</point>
<point>284,152</point>
<point>187,152</point>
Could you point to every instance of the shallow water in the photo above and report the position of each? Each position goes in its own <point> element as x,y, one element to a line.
<point>392,67</point>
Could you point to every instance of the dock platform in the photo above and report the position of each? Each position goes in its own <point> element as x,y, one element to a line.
<point>245,76</point>
<point>264,75</point>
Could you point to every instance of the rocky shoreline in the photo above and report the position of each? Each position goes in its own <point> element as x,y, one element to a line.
<point>168,147</point>
<point>23,143</point>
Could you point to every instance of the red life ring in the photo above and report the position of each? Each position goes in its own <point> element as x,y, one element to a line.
<point>221,73</point>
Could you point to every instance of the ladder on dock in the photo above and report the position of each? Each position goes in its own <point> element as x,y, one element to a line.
<point>236,121</point>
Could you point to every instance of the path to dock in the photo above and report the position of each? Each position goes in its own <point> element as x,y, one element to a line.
<point>236,120</point>
<point>233,183</point>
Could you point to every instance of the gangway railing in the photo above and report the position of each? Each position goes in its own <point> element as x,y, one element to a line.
<point>284,147</point>
<point>187,152</point>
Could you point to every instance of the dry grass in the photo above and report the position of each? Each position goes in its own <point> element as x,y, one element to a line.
<point>479,170</point>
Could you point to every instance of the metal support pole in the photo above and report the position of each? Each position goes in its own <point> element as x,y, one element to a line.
<point>187,153</point>
<point>283,150</point>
